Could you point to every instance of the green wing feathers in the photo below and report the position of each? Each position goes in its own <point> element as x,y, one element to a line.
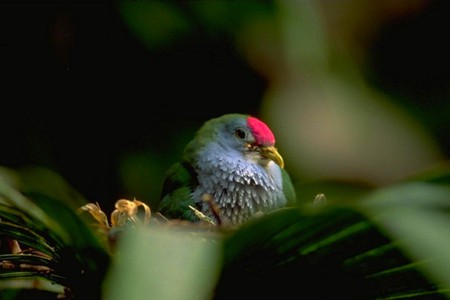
<point>288,188</point>
<point>176,192</point>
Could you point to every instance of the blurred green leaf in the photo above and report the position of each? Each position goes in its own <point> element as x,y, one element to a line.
<point>47,182</point>
<point>336,191</point>
<point>329,253</point>
<point>156,23</point>
<point>78,259</point>
<point>417,216</point>
<point>438,174</point>
<point>164,264</point>
<point>383,243</point>
<point>16,199</point>
<point>229,16</point>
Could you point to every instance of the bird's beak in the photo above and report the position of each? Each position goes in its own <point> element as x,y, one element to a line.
<point>272,153</point>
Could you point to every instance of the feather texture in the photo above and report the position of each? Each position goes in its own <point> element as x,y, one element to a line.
<point>232,158</point>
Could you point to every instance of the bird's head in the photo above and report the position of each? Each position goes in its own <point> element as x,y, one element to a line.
<point>258,140</point>
<point>238,133</point>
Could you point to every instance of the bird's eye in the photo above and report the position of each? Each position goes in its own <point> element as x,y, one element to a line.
<point>240,133</point>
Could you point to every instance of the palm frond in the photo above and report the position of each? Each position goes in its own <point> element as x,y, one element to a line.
<point>387,243</point>
<point>55,243</point>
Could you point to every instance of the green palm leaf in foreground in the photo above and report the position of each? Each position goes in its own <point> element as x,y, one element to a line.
<point>57,246</point>
<point>371,250</point>
<point>392,243</point>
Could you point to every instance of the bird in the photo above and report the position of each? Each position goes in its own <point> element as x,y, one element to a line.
<point>232,162</point>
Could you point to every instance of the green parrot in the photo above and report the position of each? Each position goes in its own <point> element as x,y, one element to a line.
<point>231,165</point>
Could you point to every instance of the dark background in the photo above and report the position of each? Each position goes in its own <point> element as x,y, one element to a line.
<point>79,91</point>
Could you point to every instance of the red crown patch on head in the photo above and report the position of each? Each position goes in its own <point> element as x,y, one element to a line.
<point>263,135</point>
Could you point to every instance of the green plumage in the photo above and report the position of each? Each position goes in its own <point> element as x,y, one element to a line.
<point>288,188</point>
<point>232,159</point>
<point>176,193</point>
